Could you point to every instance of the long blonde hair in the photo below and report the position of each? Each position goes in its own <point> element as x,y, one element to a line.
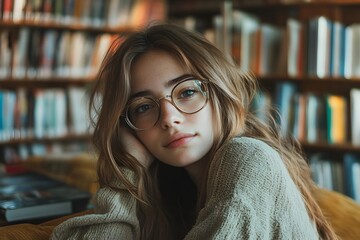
<point>233,89</point>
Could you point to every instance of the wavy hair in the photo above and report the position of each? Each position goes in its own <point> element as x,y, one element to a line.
<point>231,93</point>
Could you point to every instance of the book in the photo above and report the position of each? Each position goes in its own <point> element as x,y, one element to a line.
<point>246,26</point>
<point>319,47</point>
<point>30,196</point>
<point>336,114</point>
<point>337,49</point>
<point>268,49</point>
<point>284,93</point>
<point>355,116</point>
<point>352,175</point>
<point>294,30</point>
<point>327,171</point>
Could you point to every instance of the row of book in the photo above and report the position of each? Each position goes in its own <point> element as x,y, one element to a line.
<point>39,113</point>
<point>319,47</point>
<point>341,175</point>
<point>13,155</point>
<point>36,53</point>
<point>99,13</point>
<point>313,117</point>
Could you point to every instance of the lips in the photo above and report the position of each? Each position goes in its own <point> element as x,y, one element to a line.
<point>179,140</point>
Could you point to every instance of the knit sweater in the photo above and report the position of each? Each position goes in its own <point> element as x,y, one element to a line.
<point>250,195</point>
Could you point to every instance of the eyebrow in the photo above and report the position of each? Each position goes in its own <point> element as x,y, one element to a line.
<point>170,83</point>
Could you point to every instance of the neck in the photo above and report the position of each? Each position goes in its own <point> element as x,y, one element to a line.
<point>197,172</point>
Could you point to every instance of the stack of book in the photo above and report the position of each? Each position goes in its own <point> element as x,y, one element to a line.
<point>32,197</point>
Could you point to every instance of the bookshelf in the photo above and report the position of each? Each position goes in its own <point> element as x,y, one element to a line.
<point>306,57</point>
<point>50,53</point>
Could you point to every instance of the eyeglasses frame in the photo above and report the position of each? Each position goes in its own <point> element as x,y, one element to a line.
<point>157,101</point>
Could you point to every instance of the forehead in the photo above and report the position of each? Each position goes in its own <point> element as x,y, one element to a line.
<point>153,70</point>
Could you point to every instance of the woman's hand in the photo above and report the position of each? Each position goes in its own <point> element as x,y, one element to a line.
<point>135,148</point>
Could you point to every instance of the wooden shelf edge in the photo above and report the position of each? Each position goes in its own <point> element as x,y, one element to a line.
<point>325,147</point>
<point>45,82</point>
<point>297,3</point>
<point>340,82</point>
<point>203,7</point>
<point>70,26</point>
<point>67,138</point>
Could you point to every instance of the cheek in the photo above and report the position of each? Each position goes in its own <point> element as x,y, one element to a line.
<point>148,138</point>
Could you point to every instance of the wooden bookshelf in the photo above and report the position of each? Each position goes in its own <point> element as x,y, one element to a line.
<point>48,82</point>
<point>48,25</point>
<point>306,81</point>
<point>331,148</point>
<point>63,139</point>
<point>49,59</point>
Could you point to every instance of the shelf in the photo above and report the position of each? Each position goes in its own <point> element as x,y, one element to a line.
<point>44,82</point>
<point>335,85</point>
<point>296,3</point>
<point>333,148</point>
<point>67,138</point>
<point>69,27</point>
<point>199,8</point>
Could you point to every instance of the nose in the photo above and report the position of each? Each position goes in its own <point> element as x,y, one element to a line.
<point>169,114</point>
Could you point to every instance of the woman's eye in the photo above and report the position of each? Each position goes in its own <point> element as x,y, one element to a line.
<point>188,93</point>
<point>143,108</point>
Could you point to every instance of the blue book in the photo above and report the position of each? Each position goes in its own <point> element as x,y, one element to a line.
<point>284,102</point>
<point>349,161</point>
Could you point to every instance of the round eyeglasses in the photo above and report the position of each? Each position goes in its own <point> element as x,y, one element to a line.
<point>188,96</point>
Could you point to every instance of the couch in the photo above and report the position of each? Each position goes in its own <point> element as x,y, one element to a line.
<point>342,212</point>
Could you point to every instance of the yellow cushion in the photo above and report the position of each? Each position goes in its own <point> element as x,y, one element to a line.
<point>342,212</point>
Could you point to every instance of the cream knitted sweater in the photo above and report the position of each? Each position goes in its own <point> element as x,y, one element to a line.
<point>250,196</point>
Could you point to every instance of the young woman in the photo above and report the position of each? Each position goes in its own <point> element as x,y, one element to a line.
<point>181,155</point>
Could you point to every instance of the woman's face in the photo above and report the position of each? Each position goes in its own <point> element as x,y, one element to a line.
<point>177,139</point>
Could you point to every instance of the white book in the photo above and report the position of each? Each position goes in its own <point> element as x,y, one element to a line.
<point>227,15</point>
<point>248,25</point>
<point>311,118</point>
<point>87,55</point>
<point>218,23</point>
<point>60,113</point>
<point>39,114</point>
<point>355,116</point>
<point>119,12</point>
<point>102,44</point>
<point>18,13</point>
<point>270,38</point>
<point>49,113</point>
<point>62,54</point>
<point>9,103</point>
<point>294,28</point>
<point>348,61</point>
<point>323,47</point>
<point>20,53</point>
<point>76,54</point>
<point>78,100</point>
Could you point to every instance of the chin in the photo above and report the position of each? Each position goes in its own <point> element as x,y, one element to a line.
<point>184,163</point>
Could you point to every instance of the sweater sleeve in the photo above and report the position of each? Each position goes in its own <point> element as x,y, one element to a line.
<point>114,218</point>
<point>250,195</point>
